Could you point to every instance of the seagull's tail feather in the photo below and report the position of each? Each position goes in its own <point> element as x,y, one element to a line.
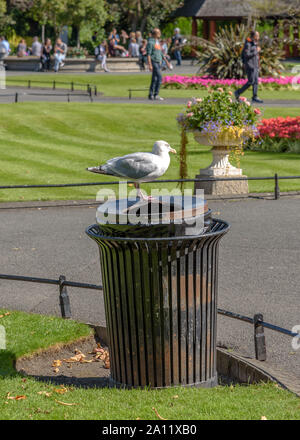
<point>99,170</point>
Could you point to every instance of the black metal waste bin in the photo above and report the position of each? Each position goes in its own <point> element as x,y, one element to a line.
<point>160,295</point>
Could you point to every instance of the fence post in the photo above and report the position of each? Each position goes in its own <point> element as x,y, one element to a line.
<point>68,97</point>
<point>90,94</point>
<point>259,338</point>
<point>54,85</point>
<point>277,190</point>
<point>129,93</point>
<point>16,97</point>
<point>72,86</point>
<point>95,90</point>
<point>64,299</point>
<point>29,84</point>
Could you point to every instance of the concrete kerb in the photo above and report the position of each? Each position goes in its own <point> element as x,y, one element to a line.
<point>237,367</point>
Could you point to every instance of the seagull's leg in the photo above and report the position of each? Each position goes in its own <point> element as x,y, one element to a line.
<point>140,195</point>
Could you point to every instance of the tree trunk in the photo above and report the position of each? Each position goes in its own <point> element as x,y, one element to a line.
<point>78,37</point>
<point>43,33</point>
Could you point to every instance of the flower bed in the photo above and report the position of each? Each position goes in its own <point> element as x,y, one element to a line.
<point>198,82</point>
<point>278,135</point>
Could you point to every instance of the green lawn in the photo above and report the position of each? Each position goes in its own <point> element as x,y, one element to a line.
<point>42,143</point>
<point>118,85</point>
<point>228,402</point>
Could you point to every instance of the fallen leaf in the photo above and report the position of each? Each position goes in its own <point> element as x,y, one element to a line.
<point>45,393</point>
<point>15,397</point>
<point>77,358</point>
<point>7,314</point>
<point>56,370</point>
<point>263,418</point>
<point>61,390</point>
<point>86,361</point>
<point>160,417</point>
<point>66,404</point>
<point>175,397</point>
<point>56,363</point>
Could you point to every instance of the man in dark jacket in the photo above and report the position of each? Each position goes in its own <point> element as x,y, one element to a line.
<point>250,56</point>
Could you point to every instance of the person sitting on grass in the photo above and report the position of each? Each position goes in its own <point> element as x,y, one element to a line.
<point>60,51</point>
<point>101,55</point>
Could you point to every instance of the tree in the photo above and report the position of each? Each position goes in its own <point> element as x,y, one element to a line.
<point>5,19</point>
<point>79,12</point>
<point>142,15</point>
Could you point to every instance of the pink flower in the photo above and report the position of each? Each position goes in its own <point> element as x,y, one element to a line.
<point>219,89</point>
<point>199,99</point>
<point>243,98</point>
<point>257,111</point>
<point>189,115</point>
<point>230,93</point>
<point>189,104</point>
<point>247,103</point>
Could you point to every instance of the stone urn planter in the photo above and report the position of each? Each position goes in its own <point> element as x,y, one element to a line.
<point>220,167</point>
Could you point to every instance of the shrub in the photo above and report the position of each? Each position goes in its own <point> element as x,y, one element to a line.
<point>222,57</point>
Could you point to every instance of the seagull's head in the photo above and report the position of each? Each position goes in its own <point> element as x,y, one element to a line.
<point>162,147</point>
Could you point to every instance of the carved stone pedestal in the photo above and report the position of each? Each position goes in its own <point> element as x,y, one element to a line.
<point>221,168</point>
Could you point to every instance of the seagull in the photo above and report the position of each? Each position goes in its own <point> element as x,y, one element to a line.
<point>139,167</point>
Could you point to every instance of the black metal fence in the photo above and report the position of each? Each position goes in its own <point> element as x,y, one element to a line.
<point>71,85</point>
<point>16,96</point>
<point>275,178</point>
<point>257,321</point>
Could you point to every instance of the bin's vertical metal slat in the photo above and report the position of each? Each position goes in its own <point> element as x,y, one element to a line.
<point>112,308</point>
<point>146,276</point>
<point>125,314</point>
<point>166,312</point>
<point>139,310</point>
<point>119,312</point>
<point>156,315</point>
<point>105,276</point>
<point>190,294</point>
<point>174,311</point>
<point>212,308</point>
<point>132,321</point>
<point>183,314</point>
<point>203,310</point>
<point>214,304</point>
<point>197,293</point>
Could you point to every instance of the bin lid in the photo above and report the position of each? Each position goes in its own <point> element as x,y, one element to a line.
<point>163,209</point>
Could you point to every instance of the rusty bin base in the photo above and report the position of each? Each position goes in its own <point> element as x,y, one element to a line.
<point>210,383</point>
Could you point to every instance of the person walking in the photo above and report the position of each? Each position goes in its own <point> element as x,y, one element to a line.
<point>176,46</point>
<point>155,58</point>
<point>101,52</point>
<point>250,58</point>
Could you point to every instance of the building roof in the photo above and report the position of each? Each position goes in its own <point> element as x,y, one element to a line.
<point>220,9</point>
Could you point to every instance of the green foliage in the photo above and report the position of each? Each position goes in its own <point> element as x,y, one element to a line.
<point>222,57</point>
<point>218,108</point>
<point>275,145</point>
<point>183,23</point>
<point>141,15</point>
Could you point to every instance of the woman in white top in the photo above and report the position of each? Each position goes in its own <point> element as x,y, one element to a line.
<point>101,55</point>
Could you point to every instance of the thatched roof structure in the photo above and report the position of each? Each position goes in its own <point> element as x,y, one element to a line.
<point>228,9</point>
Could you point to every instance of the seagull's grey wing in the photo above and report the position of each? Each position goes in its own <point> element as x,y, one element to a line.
<point>134,166</point>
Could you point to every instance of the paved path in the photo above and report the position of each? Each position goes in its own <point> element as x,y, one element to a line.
<point>65,95</point>
<point>259,267</point>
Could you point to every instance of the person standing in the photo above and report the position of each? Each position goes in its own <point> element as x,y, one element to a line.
<point>250,58</point>
<point>101,52</point>
<point>176,45</point>
<point>155,58</point>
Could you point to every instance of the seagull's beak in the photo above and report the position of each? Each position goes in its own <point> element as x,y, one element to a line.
<point>171,150</point>
<point>93,170</point>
